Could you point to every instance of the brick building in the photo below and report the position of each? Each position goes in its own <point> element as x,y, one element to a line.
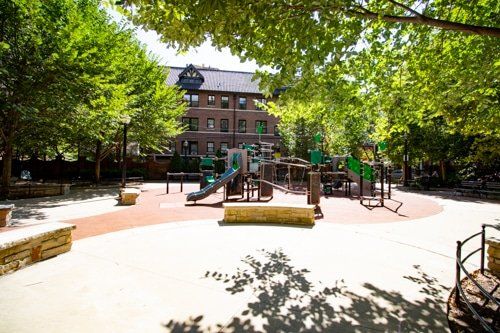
<point>222,112</point>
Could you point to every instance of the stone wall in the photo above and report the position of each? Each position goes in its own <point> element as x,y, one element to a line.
<point>494,255</point>
<point>35,190</point>
<point>25,246</point>
<point>268,213</point>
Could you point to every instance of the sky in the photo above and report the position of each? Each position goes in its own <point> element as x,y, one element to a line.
<point>205,54</point>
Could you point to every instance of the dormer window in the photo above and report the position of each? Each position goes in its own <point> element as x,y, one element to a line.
<point>191,75</point>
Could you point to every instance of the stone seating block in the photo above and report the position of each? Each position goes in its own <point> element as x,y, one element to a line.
<point>129,196</point>
<point>5,214</point>
<point>281,213</point>
<point>493,254</point>
<point>25,246</point>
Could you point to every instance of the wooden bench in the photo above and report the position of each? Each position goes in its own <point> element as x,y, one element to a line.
<point>25,246</point>
<point>468,187</point>
<point>128,196</point>
<point>281,213</point>
<point>490,189</point>
<point>5,214</point>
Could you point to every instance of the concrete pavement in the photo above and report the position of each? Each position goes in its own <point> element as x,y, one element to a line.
<point>200,276</point>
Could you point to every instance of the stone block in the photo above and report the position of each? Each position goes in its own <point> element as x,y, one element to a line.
<point>494,268</point>
<point>269,213</point>
<point>129,196</point>
<point>21,247</point>
<point>56,251</point>
<point>17,256</point>
<point>56,241</point>
<point>5,214</point>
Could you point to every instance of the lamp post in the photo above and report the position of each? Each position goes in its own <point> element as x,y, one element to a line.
<point>125,121</point>
<point>405,160</point>
<point>185,146</point>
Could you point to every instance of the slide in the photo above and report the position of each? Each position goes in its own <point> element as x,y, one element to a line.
<point>229,175</point>
<point>353,167</point>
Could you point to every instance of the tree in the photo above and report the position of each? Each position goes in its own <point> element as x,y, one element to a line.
<point>382,67</point>
<point>38,66</point>
<point>69,76</point>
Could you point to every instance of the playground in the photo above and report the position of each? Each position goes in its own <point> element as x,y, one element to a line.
<point>374,258</point>
<point>353,274</point>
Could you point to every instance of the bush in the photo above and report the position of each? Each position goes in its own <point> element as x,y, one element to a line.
<point>176,164</point>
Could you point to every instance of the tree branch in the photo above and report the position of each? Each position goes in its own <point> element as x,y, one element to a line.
<point>411,10</point>
<point>419,19</point>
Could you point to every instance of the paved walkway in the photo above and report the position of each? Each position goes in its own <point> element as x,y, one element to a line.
<point>200,276</point>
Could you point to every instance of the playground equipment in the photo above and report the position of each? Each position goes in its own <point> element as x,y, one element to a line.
<point>232,172</point>
<point>251,170</point>
<point>366,176</point>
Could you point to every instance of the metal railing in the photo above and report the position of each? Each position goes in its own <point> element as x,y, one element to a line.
<point>460,267</point>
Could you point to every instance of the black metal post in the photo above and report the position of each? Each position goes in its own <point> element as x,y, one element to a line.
<point>124,162</point>
<point>405,162</point>
<point>382,185</point>
<point>483,239</point>
<point>457,276</point>
<point>389,182</point>
<point>360,190</point>
<point>168,181</point>
<point>182,181</point>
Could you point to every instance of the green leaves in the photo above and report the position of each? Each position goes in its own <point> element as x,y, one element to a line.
<point>68,75</point>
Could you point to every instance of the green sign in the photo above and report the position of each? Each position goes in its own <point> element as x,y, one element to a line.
<point>382,145</point>
<point>260,129</point>
<point>317,137</point>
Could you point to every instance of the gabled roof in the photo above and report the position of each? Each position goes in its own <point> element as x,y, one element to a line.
<point>191,72</point>
<point>214,80</point>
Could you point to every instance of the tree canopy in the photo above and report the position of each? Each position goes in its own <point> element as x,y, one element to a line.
<point>375,70</point>
<point>68,77</point>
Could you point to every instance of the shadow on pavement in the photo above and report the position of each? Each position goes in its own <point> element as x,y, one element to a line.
<point>448,194</point>
<point>32,208</point>
<point>286,301</point>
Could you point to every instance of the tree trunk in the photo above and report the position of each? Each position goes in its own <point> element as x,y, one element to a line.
<point>442,164</point>
<point>98,152</point>
<point>7,168</point>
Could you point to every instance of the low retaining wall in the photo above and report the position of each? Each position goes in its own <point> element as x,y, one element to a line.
<point>268,213</point>
<point>37,190</point>
<point>494,255</point>
<point>25,246</point>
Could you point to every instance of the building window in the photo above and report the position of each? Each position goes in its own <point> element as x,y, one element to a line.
<point>210,147</point>
<point>261,123</point>
<point>211,100</point>
<point>210,123</point>
<point>243,103</point>
<point>223,147</point>
<point>191,123</point>
<point>242,126</point>
<point>276,131</point>
<point>192,99</point>
<point>224,125</point>
<point>193,147</point>
<point>262,101</point>
<point>224,102</point>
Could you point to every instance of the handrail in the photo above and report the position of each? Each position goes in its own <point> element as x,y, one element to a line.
<point>279,187</point>
<point>475,313</point>
<point>460,267</point>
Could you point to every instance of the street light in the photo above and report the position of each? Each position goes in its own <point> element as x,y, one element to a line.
<point>185,146</point>
<point>405,160</point>
<point>125,120</point>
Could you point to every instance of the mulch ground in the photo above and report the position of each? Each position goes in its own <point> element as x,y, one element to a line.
<point>461,319</point>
